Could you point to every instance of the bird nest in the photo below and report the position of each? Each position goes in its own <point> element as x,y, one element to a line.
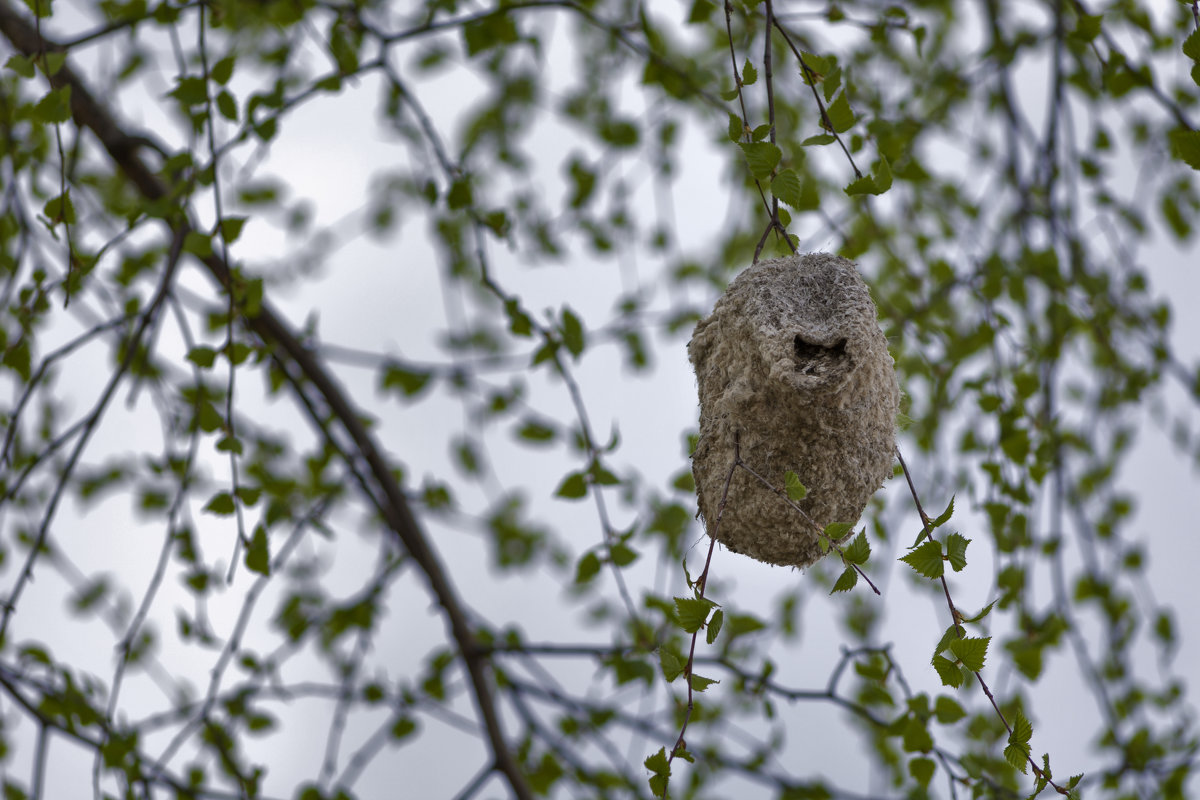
<point>794,374</point>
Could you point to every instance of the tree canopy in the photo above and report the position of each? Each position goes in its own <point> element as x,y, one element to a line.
<point>347,416</point>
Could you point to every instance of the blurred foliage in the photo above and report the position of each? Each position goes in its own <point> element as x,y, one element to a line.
<point>994,168</point>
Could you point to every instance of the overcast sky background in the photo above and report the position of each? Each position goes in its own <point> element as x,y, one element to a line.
<point>387,297</point>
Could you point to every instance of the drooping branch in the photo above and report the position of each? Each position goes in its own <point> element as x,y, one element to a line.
<point>385,492</point>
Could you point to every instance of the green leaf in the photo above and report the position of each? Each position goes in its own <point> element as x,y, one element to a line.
<point>222,71</point>
<point>21,65</point>
<point>220,504</point>
<point>915,737</point>
<point>692,612</point>
<point>190,90</point>
<point>1191,46</point>
<point>623,555</point>
<point>534,431</point>
<point>947,710</point>
<point>60,209</point>
<point>762,157</point>
<point>620,133</point>
<point>1185,145</point>
<point>231,228</point>
<point>945,516</point>
<point>714,626</point>
<point>836,530</point>
<point>573,487</point>
<point>518,321</point>
<point>926,560</point>
<point>786,186</point>
<point>986,610</point>
<point>971,651</point>
<point>661,772</point>
<point>1087,28</point>
<point>1017,751</point>
<point>198,244</point>
<point>749,74</point>
<point>229,444</point>
<point>459,195</point>
<point>859,549</point>
<point>841,117</point>
<point>956,551</point>
<point>671,664</point>
<point>409,381</point>
<point>878,183</point>
<point>403,728</point>
<point>796,491</point>
<point>55,107</point>
<point>587,568</point>
<point>819,140</point>
<point>736,128</point>
<point>258,555</point>
<point>227,105</point>
<point>700,683</point>
<point>90,594</point>
<point>846,581</point>
<point>922,770</point>
<point>490,31</point>
<point>572,332</point>
<point>948,671</point>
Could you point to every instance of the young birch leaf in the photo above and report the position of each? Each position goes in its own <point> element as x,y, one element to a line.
<point>947,710</point>
<point>221,504</point>
<point>202,357</point>
<point>762,158</point>
<point>859,549</point>
<point>1017,751</point>
<point>1191,46</point>
<point>714,626</point>
<point>410,382</point>
<point>922,769</point>
<point>926,559</point>
<point>978,617</point>
<point>951,634</point>
<point>846,581</point>
<point>692,612</point>
<point>841,117</point>
<point>672,665</point>
<point>944,517</point>
<point>623,555</point>
<point>518,321</point>
<point>258,554</point>
<point>971,651</point>
<point>883,175</point>
<point>818,140</point>
<point>749,74</point>
<point>572,332</point>
<point>736,128</point>
<point>661,772</point>
<point>573,487</point>
<point>956,551</point>
<point>700,683</point>
<point>796,490</point>
<point>836,530</point>
<point>587,568</point>
<point>948,671</point>
<point>786,186</point>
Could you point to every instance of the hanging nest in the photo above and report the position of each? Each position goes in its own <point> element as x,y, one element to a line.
<point>793,366</point>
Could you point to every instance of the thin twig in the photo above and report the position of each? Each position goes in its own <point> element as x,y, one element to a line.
<point>956,620</point>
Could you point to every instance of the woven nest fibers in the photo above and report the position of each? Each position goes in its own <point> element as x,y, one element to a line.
<point>794,365</point>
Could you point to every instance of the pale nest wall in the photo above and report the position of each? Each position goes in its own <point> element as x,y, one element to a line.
<point>792,358</point>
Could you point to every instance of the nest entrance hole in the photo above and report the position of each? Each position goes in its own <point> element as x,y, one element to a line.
<point>816,358</point>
